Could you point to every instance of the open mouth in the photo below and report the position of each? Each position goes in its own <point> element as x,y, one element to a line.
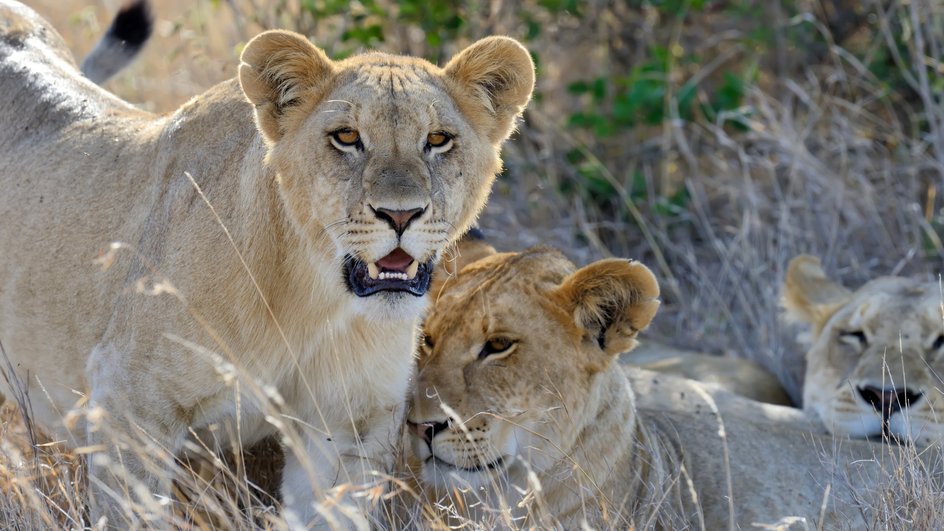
<point>397,271</point>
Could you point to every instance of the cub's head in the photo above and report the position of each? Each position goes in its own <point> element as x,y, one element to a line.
<point>511,352</point>
<point>384,158</point>
<point>876,359</point>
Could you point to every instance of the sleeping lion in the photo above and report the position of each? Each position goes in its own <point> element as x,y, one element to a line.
<point>521,416</point>
<point>875,364</point>
<point>267,249</point>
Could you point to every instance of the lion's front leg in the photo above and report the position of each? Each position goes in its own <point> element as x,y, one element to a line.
<point>131,467</point>
<point>337,481</point>
<point>136,423</point>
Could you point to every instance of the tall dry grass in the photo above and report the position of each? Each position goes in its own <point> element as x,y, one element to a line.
<point>832,162</point>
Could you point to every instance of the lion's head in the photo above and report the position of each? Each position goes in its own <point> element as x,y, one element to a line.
<point>388,157</point>
<point>510,353</point>
<point>876,359</point>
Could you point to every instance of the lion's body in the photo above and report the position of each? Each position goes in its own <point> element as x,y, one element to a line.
<point>518,386</point>
<point>876,355</point>
<point>738,375</point>
<point>147,332</point>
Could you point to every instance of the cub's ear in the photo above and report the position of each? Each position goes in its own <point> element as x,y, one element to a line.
<point>611,301</point>
<point>497,74</point>
<point>279,71</point>
<point>809,295</point>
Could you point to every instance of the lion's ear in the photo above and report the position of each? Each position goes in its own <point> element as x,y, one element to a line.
<point>612,300</point>
<point>498,74</point>
<point>470,248</point>
<point>809,295</point>
<point>278,69</point>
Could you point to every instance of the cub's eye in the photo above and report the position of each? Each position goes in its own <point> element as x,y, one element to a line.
<point>439,140</point>
<point>346,138</point>
<point>854,338</point>
<point>497,345</point>
<point>427,342</point>
<point>938,343</point>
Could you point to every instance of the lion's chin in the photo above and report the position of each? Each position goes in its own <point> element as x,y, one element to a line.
<point>448,476</point>
<point>389,307</point>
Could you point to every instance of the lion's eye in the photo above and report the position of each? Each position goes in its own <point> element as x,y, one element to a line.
<point>854,338</point>
<point>427,341</point>
<point>938,343</point>
<point>438,140</point>
<point>497,345</point>
<point>346,138</point>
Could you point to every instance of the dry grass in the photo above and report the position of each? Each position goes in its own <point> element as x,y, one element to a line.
<point>830,164</point>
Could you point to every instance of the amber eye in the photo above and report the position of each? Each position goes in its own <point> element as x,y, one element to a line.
<point>346,137</point>
<point>438,139</point>
<point>497,345</point>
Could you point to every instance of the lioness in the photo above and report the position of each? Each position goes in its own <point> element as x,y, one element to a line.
<point>876,358</point>
<point>522,417</point>
<point>277,235</point>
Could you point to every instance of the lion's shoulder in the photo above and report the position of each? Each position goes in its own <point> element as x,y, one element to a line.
<point>21,30</point>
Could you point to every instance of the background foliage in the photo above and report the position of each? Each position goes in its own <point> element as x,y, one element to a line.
<point>712,140</point>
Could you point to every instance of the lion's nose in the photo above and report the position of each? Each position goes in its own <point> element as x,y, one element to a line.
<point>888,401</point>
<point>427,430</point>
<point>398,220</point>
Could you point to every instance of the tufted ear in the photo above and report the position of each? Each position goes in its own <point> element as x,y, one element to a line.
<point>611,300</point>
<point>809,295</point>
<point>278,69</point>
<point>497,74</point>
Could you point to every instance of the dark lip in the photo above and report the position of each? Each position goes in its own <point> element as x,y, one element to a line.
<point>359,282</point>
<point>494,465</point>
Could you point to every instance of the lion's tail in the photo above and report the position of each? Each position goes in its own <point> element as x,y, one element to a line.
<point>127,35</point>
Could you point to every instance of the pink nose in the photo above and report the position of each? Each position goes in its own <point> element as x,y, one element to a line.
<point>399,220</point>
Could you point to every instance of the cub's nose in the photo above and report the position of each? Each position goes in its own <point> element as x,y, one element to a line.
<point>398,220</point>
<point>888,401</point>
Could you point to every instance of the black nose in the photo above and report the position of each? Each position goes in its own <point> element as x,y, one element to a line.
<point>427,430</point>
<point>890,400</point>
<point>398,220</point>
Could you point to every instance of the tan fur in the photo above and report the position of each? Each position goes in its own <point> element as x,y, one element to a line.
<point>901,348</point>
<point>551,431</point>
<point>739,375</point>
<point>178,302</point>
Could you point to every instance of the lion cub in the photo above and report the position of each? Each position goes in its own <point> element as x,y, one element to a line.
<point>738,375</point>
<point>876,355</point>
<point>521,416</point>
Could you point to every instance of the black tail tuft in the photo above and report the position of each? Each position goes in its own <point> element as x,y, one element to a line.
<point>127,35</point>
<point>133,24</point>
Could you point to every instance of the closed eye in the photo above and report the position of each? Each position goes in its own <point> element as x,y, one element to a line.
<point>854,338</point>
<point>938,343</point>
